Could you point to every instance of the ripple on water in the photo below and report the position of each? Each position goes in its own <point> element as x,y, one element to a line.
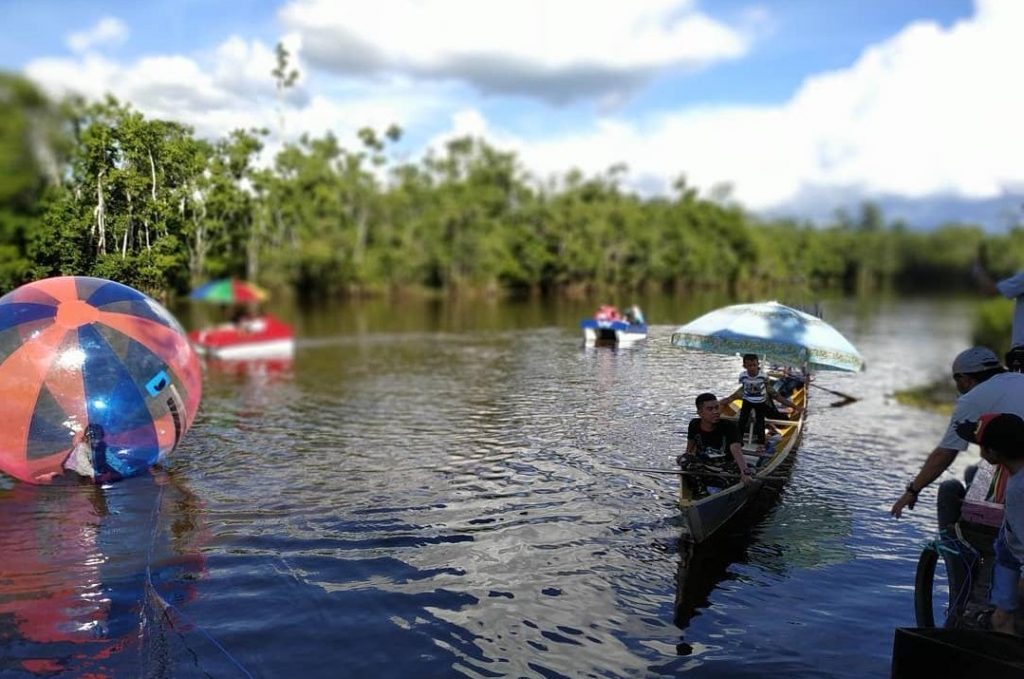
<point>432,504</point>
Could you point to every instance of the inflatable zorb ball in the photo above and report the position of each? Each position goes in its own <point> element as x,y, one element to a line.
<point>78,351</point>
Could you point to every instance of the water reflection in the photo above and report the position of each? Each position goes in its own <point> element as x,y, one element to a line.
<point>785,530</point>
<point>702,567</point>
<point>74,570</point>
<point>809,530</point>
<point>261,372</point>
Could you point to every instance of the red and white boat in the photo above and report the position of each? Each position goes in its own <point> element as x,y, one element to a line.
<point>262,337</point>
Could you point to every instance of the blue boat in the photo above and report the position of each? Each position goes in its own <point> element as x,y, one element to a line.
<point>608,327</point>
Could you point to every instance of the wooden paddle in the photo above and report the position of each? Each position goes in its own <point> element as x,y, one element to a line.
<point>847,399</point>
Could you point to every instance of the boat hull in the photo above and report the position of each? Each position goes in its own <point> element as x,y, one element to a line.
<point>252,350</point>
<point>611,332</point>
<point>264,337</point>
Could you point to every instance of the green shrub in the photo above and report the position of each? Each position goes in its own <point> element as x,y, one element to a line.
<point>993,322</point>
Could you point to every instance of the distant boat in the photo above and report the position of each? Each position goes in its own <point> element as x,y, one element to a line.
<point>261,337</point>
<point>246,337</point>
<point>609,327</point>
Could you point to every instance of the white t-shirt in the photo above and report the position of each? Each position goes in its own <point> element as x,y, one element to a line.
<point>754,386</point>
<point>1002,393</point>
<point>1013,287</point>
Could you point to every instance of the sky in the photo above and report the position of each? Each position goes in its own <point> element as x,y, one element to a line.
<point>799,107</point>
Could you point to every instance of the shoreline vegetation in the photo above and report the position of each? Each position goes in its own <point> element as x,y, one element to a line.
<point>938,396</point>
<point>98,189</point>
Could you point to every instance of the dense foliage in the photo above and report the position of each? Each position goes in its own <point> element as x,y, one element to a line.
<point>96,188</point>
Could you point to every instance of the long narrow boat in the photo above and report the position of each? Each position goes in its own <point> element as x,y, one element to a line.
<point>708,512</point>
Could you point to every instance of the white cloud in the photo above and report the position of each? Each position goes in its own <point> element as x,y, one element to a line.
<point>232,88</point>
<point>245,66</point>
<point>107,31</point>
<point>557,51</point>
<point>930,112</point>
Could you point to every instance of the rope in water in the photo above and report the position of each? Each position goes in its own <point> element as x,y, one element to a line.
<point>167,606</point>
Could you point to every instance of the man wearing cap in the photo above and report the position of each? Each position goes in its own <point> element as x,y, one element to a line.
<point>1001,437</point>
<point>985,387</point>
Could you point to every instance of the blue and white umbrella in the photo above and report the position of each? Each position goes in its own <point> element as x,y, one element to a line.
<point>778,332</point>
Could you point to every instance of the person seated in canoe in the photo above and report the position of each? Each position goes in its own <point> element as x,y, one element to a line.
<point>784,380</point>
<point>1001,437</point>
<point>757,395</point>
<point>712,441</point>
<point>787,380</point>
<point>634,316</point>
<point>607,313</point>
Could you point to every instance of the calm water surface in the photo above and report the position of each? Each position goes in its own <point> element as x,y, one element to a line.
<point>428,491</point>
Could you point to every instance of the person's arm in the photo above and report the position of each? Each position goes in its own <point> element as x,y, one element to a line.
<point>938,461</point>
<point>741,462</point>
<point>731,397</point>
<point>780,398</point>
<point>1011,287</point>
<point>691,448</point>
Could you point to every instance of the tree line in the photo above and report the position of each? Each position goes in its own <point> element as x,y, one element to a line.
<point>97,188</point>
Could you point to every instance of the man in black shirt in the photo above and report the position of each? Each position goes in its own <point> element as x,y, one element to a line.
<point>710,440</point>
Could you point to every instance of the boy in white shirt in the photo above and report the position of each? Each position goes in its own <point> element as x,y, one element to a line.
<point>756,392</point>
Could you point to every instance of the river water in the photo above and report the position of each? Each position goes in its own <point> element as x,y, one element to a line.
<point>428,490</point>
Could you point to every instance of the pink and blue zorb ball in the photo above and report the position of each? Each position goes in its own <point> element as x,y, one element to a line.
<point>78,353</point>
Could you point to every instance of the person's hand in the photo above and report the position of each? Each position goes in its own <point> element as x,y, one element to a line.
<point>108,477</point>
<point>1003,621</point>
<point>746,478</point>
<point>907,500</point>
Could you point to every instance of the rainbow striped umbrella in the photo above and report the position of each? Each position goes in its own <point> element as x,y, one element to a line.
<point>229,291</point>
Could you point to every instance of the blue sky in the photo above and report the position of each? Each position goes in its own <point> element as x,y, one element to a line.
<point>799,106</point>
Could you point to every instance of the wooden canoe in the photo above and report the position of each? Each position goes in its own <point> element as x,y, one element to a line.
<point>706,513</point>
